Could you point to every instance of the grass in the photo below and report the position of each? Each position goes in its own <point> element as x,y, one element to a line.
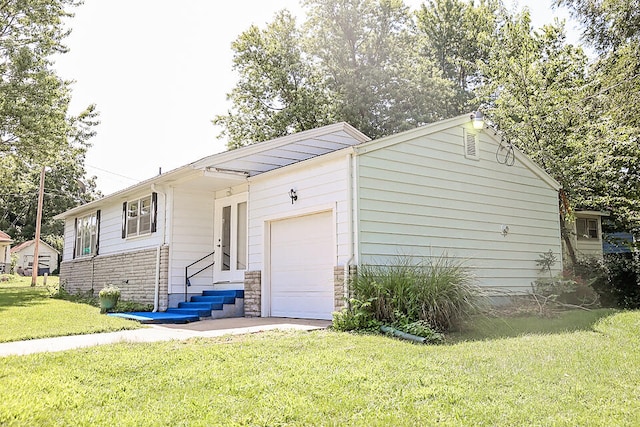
<point>28,312</point>
<point>482,327</point>
<point>588,376</point>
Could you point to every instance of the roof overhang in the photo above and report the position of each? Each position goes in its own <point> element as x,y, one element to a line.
<point>233,167</point>
<point>266,156</point>
<point>592,213</point>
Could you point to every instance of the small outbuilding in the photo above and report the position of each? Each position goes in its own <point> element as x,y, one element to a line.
<point>47,257</point>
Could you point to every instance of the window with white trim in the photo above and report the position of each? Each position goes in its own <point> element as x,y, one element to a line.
<point>86,243</point>
<point>587,228</point>
<point>139,217</point>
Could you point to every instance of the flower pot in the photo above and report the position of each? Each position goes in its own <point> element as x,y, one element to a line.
<point>108,302</point>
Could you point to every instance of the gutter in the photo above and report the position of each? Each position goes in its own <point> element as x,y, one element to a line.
<point>350,192</point>
<point>156,294</point>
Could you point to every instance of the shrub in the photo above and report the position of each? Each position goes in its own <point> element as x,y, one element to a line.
<point>421,328</point>
<point>356,317</point>
<point>619,285</point>
<point>438,290</point>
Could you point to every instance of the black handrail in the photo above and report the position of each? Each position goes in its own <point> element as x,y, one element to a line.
<point>187,276</point>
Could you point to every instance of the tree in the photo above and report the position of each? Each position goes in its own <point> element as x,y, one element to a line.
<point>34,99</point>
<point>278,91</point>
<point>613,29</point>
<point>35,127</point>
<point>456,35</point>
<point>354,61</point>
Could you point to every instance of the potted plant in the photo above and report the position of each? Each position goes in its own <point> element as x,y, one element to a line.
<point>108,297</point>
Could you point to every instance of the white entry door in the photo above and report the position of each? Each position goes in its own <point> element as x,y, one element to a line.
<point>230,224</point>
<point>302,257</point>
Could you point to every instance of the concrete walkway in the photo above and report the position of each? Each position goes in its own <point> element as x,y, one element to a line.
<point>154,333</point>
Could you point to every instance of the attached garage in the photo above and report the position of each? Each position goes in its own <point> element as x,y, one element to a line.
<point>302,256</point>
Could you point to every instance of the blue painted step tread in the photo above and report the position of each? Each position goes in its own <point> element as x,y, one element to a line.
<point>237,293</point>
<point>201,305</point>
<point>157,317</point>
<point>191,311</point>
<point>223,299</point>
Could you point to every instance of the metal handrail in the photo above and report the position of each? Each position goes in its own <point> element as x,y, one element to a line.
<point>187,283</point>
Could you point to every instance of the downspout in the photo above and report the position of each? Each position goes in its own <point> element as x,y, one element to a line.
<point>156,294</point>
<point>350,217</point>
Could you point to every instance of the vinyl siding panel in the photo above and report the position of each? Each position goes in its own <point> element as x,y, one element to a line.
<point>111,241</point>
<point>191,238</point>
<point>320,186</point>
<point>422,197</point>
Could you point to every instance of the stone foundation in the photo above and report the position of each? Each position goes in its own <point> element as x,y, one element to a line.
<point>340,294</point>
<point>252,293</point>
<point>133,272</point>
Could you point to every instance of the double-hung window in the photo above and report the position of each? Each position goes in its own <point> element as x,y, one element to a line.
<point>139,216</point>
<point>86,243</point>
<point>587,228</point>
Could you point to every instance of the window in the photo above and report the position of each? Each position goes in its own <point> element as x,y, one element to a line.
<point>470,141</point>
<point>86,243</point>
<point>139,216</point>
<point>587,228</point>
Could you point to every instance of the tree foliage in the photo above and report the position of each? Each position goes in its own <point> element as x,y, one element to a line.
<point>278,91</point>
<point>456,35</point>
<point>35,126</point>
<point>357,61</point>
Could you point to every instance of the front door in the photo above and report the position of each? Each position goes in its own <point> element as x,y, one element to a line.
<point>231,239</point>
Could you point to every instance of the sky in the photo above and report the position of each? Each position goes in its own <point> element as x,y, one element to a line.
<point>159,71</point>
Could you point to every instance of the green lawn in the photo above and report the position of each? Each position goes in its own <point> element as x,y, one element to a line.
<point>28,312</point>
<point>590,376</point>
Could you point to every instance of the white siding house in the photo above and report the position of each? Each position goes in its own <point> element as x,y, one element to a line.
<point>586,233</point>
<point>287,220</point>
<point>47,256</point>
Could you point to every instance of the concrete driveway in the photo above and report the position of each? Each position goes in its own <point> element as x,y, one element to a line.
<point>155,333</point>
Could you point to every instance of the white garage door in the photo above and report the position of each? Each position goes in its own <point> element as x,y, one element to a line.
<point>302,259</point>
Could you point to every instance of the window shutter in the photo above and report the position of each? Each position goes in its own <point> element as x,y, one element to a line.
<point>75,237</point>
<point>154,212</point>
<point>97,249</point>
<point>124,220</point>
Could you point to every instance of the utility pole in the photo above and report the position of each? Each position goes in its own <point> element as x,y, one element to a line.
<point>34,269</point>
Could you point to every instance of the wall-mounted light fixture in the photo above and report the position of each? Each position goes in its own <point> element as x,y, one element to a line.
<point>294,195</point>
<point>505,230</point>
<point>477,119</point>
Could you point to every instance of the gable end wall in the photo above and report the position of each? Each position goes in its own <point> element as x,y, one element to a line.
<point>423,198</point>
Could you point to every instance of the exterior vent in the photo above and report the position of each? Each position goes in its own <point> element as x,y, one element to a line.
<point>471,145</point>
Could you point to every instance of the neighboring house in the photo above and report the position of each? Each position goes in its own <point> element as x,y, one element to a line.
<point>288,220</point>
<point>47,256</point>
<point>5,252</point>
<point>586,233</point>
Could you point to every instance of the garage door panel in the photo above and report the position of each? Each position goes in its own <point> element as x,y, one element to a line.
<point>302,259</point>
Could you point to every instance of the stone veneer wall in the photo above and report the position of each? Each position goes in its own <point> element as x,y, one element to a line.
<point>252,293</point>
<point>339,297</point>
<point>133,272</point>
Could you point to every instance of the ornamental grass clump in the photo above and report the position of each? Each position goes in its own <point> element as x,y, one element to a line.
<point>439,290</point>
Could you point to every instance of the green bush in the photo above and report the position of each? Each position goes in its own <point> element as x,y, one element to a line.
<point>439,290</point>
<point>356,317</point>
<point>421,328</point>
<point>619,283</point>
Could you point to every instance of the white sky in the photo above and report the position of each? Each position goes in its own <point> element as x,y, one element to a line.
<point>159,71</point>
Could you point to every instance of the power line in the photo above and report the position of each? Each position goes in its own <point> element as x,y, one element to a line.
<point>114,173</point>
